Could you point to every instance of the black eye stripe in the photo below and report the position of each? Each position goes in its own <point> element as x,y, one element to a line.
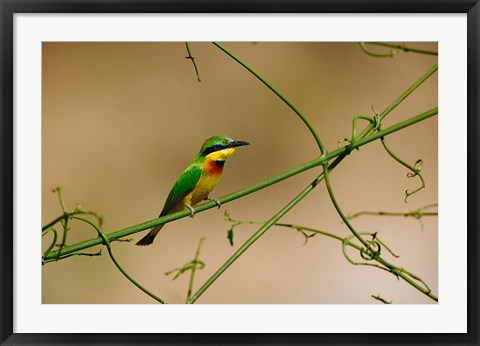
<point>211,149</point>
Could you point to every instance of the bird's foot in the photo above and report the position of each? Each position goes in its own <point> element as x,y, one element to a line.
<point>192,211</point>
<point>216,200</point>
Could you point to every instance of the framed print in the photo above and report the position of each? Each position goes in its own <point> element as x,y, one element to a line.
<point>239,172</point>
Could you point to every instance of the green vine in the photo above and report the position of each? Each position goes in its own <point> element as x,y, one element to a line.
<point>114,260</point>
<point>191,266</point>
<point>397,49</point>
<point>192,58</point>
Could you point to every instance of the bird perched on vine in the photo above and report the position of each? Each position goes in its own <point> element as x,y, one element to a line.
<point>197,181</point>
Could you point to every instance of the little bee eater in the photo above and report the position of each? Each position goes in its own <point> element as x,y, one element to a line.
<point>198,180</point>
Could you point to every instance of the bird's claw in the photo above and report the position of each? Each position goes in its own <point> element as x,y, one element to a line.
<point>216,200</point>
<point>192,211</point>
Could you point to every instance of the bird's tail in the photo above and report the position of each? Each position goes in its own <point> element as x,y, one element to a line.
<point>148,239</point>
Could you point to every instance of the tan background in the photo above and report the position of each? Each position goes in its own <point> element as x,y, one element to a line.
<point>122,120</point>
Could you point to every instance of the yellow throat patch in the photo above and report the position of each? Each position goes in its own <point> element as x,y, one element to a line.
<point>220,155</point>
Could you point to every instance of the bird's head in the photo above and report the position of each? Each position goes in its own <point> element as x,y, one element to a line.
<point>220,147</point>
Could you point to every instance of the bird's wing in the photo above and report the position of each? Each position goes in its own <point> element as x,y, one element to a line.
<point>183,186</point>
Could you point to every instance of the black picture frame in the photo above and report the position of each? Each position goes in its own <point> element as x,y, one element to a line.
<point>10,7</point>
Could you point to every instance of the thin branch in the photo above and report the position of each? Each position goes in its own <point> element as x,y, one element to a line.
<point>86,254</point>
<point>283,98</point>
<point>384,301</point>
<point>192,58</point>
<point>63,220</point>
<point>194,269</point>
<point>398,48</point>
<point>417,213</point>
<point>416,168</point>
<point>54,240</point>
<point>107,244</point>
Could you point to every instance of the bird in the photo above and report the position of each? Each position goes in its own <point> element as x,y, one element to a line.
<point>197,180</point>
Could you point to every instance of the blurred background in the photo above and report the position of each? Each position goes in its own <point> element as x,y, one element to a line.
<point>121,121</point>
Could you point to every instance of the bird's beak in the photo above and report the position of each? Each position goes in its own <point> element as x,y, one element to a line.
<point>238,144</point>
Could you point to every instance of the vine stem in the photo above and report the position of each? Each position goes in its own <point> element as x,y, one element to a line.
<point>243,192</point>
<point>194,269</point>
<point>65,216</point>
<point>404,48</point>
<point>275,91</point>
<point>337,207</point>
<point>388,213</point>
<point>107,244</point>
<point>192,58</point>
<point>400,99</point>
<point>417,213</point>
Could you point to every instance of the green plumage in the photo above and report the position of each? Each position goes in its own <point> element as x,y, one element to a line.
<point>183,186</point>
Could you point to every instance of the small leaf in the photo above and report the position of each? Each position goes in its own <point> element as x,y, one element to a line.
<point>230,236</point>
